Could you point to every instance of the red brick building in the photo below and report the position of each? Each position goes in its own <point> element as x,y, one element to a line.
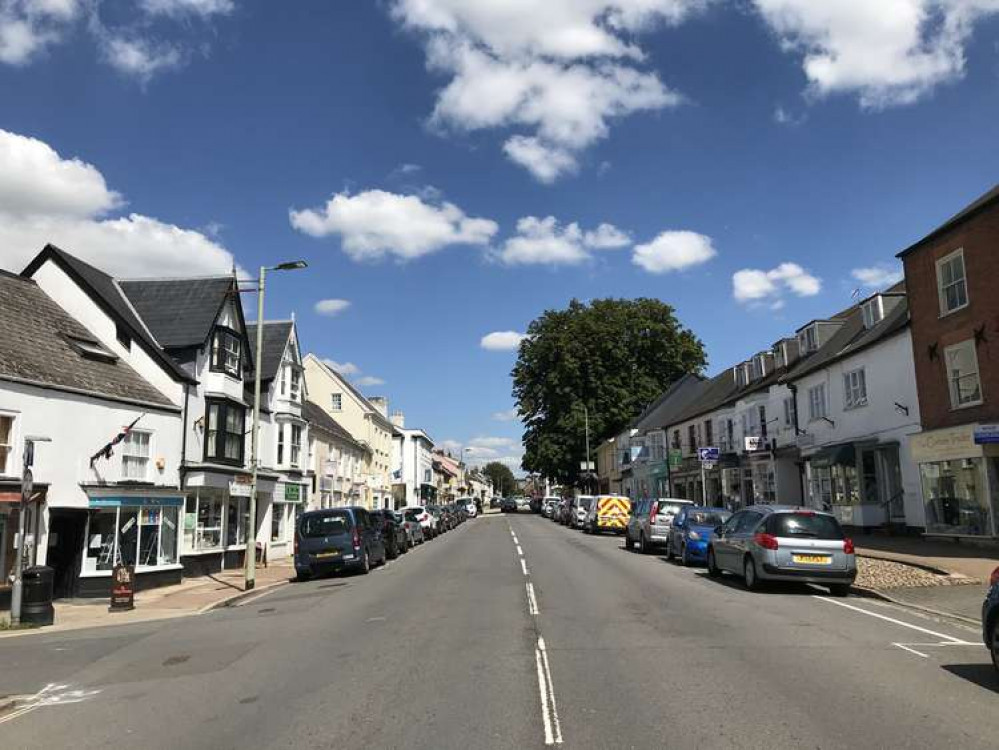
<point>951,276</point>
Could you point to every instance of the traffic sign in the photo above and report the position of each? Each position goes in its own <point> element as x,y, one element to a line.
<point>708,454</point>
<point>708,465</point>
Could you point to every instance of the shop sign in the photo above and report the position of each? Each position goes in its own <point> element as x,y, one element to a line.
<point>675,458</point>
<point>239,487</point>
<point>753,442</point>
<point>122,588</point>
<point>986,433</point>
<point>708,465</point>
<point>136,501</point>
<point>944,445</point>
<point>707,455</point>
<point>292,493</point>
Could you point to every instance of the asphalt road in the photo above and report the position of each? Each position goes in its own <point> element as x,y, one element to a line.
<point>512,632</point>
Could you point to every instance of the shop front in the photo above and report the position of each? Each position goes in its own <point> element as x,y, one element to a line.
<point>140,529</point>
<point>959,476</point>
<point>288,503</point>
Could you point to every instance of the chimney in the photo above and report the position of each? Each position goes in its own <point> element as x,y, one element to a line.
<point>398,419</point>
<point>381,404</point>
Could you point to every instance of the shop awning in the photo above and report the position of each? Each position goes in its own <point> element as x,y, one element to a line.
<point>114,501</point>
<point>843,455</point>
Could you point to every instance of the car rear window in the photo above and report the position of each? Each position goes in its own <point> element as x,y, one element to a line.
<point>668,508</point>
<point>326,524</point>
<point>805,525</point>
<point>413,514</point>
<point>707,518</point>
<point>584,503</point>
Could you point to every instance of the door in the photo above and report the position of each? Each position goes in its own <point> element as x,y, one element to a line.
<point>723,540</point>
<point>890,480</point>
<point>66,532</point>
<point>741,538</point>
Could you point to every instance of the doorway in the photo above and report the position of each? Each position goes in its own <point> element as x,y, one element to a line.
<point>66,531</point>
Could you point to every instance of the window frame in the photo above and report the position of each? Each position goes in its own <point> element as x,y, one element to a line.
<point>813,413</point>
<point>942,289</point>
<point>849,402</point>
<point>125,454</point>
<point>221,433</point>
<point>216,361</point>
<point>952,388</point>
<point>295,451</point>
<point>10,458</point>
<point>790,407</point>
<point>336,401</point>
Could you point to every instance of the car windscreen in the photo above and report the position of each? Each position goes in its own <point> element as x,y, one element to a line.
<point>707,518</point>
<point>584,502</point>
<point>326,524</point>
<point>804,525</point>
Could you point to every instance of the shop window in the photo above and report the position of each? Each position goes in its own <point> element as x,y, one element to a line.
<point>203,523</point>
<point>951,283</point>
<point>956,497</point>
<point>296,444</point>
<point>961,361</point>
<point>279,520</point>
<point>226,353</point>
<point>145,537</point>
<point>854,389</point>
<point>135,455</point>
<point>6,443</point>
<point>224,437</point>
<point>101,540</point>
<point>235,525</point>
<point>817,402</point>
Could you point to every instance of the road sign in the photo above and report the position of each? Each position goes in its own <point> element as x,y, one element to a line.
<point>708,454</point>
<point>675,459</point>
<point>27,485</point>
<point>708,465</point>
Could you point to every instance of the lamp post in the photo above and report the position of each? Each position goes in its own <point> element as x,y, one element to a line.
<point>461,465</point>
<point>250,536</point>
<point>586,423</point>
<point>27,487</point>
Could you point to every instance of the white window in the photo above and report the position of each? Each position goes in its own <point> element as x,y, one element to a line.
<point>296,377</point>
<point>951,284</point>
<point>6,443</point>
<point>854,389</point>
<point>284,380</point>
<point>789,409</point>
<point>780,355</point>
<point>296,444</point>
<point>135,455</point>
<point>872,311</point>
<point>817,402</point>
<point>337,401</point>
<point>280,456</point>
<point>961,361</point>
<point>808,340</point>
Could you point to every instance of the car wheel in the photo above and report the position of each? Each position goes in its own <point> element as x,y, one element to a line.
<point>365,563</point>
<point>643,546</point>
<point>749,574</point>
<point>302,576</point>
<point>391,551</point>
<point>839,589</point>
<point>684,558</point>
<point>713,570</point>
<point>628,544</point>
<point>669,547</point>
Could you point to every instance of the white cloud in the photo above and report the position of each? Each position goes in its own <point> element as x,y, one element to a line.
<point>877,277</point>
<point>500,341</point>
<point>783,116</point>
<point>188,7</point>
<point>755,286</point>
<point>546,242</point>
<point>139,57</point>
<point>331,306</point>
<point>494,442</point>
<point>558,71</point>
<point>510,415</point>
<point>344,368</point>
<point>889,52</point>
<point>674,251</point>
<point>366,381</point>
<point>47,198</point>
<point>606,237</point>
<point>376,223</point>
<point>27,27</point>
<point>451,445</point>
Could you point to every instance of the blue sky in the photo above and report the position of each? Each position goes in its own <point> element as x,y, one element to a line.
<point>444,165</point>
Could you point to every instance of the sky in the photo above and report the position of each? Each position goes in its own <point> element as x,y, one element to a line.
<point>450,169</point>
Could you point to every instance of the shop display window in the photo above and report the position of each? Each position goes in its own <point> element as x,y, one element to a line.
<point>956,497</point>
<point>145,537</point>
<point>203,523</point>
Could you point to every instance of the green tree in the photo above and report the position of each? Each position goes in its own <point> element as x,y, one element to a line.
<point>612,355</point>
<point>502,478</point>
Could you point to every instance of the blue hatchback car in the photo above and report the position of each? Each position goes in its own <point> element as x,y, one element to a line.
<point>990,618</point>
<point>691,531</point>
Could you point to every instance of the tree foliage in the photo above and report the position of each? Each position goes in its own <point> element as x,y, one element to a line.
<point>502,478</point>
<point>615,356</point>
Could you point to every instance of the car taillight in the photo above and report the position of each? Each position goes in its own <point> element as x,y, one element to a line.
<point>357,539</point>
<point>994,578</point>
<point>652,513</point>
<point>767,541</point>
<point>296,544</point>
<point>848,547</point>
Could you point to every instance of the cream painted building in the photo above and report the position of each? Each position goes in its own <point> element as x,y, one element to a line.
<point>365,419</point>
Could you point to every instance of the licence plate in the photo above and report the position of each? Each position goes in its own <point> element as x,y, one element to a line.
<point>325,555</point>
<point>812,559</point>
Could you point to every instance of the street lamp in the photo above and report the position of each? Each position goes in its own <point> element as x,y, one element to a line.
<point>250,536</point>
<point>586,422</point>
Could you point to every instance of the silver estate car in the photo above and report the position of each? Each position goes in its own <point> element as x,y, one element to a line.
<point>783,543</point>
<point>651,521</point>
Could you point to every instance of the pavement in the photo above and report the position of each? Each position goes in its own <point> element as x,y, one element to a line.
<point>511,632</point>
<point>192,596</point>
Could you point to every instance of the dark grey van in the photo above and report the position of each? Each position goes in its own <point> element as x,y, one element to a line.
<point>336,539</point>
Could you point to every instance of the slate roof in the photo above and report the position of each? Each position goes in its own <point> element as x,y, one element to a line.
<point>36,347</point>
<point>714,393</point>
<point>107,293</point>
<point>979,204</point>
<point>276,334</point>
<point>318,418</point>
<point>673,401</point>
<point>179,312</point>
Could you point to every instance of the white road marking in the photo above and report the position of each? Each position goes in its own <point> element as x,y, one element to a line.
<point>949,638</point>
<point>553,728</point>
<point>910,650</point>
<point>520,552</point>
<point>532,601</point>
<point>48,696</point>
<point>523,566</point>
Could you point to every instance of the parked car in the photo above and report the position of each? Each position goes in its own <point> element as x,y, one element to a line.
<point>508,505</point>
<point>413,528</point>
<point>579,507</point>
<point>565,511</point>
<point>494,502</point>
<point>425,519</point>
<point>990,618</point>
<point>650,521</point>
<point>783,543</point>
<point>607,513</point>
<point>437,516</point>
<point>392,532</point>
<point>691,531</point>
<point>336,539</point>
<point>470,507</point>
<point>548,505</point>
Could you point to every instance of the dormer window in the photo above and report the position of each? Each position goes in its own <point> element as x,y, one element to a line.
<point>226,352</point>
<point>780,355</point>
<point>92,349</point>
<point>873,311</point>
<point>759,366</point>
<point>740,376</point>
<point>808,339</point>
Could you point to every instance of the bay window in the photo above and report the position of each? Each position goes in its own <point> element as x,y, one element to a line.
<point>225,430</point>
<point>296,444</point>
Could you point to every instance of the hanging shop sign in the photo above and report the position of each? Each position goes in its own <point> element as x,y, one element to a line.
<point>292,493</point>
<point>675,459</point>
<point>753,442</point>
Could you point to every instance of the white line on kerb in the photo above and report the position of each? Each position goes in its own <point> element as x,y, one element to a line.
<point>532,601</point>
<point>549,711</point>
<point>951,639</point>
<point>523,565</point>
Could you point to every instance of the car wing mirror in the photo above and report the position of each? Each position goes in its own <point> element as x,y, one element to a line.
<point>717,531</point>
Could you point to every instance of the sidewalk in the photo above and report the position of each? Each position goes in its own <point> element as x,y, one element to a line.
<point>962,573</point>
<point>192,596</point>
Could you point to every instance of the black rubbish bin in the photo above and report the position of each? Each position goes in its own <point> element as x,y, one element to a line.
<point>36,595</point>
